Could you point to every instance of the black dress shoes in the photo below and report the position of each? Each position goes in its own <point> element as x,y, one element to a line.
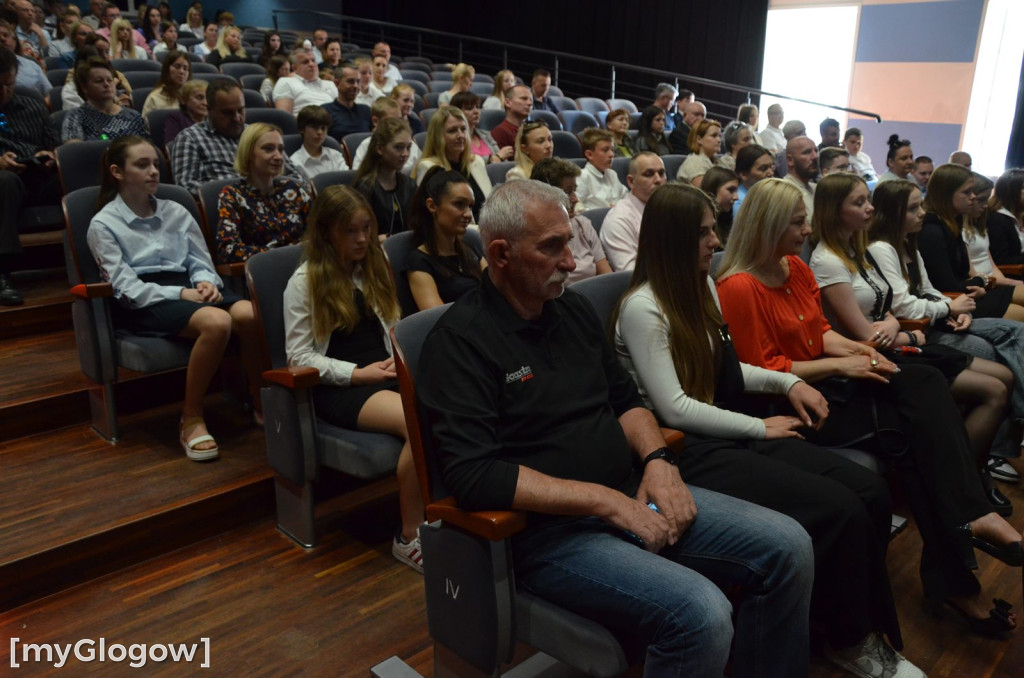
<point>9,294</point>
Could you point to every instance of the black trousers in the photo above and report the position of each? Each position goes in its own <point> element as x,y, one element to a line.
<point>938,470</point>
<point>32,187</point>
<point>843,506</point>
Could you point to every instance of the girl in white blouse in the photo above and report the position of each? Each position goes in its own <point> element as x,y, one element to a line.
<point>338,307</point>
<point>155,257</point>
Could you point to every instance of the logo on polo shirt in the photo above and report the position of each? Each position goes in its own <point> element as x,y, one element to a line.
<point>524,373</point>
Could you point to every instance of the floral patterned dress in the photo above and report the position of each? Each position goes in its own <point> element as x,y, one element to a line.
<point>250,222</point>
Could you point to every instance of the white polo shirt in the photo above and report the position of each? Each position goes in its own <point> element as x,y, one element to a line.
<point>304,92</point>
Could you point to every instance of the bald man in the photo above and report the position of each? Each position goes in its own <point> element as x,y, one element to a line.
<point>802,163</point>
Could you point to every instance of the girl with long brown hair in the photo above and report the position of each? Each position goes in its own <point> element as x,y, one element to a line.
<point>338,308</point>
<point>669,334</point>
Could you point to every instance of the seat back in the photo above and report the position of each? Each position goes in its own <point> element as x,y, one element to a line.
<point>566,145</point>
<point>408,337</point>
<point>417,86</point>
<point>621,103</point>
<point>604,291</point>
<point>591,105</point>
<point>237,70</point>
<point>325,179</point>
<point>267,274</point>
<point>253,99</point>
<point>496,171</point>
<point>209,199</point>
<point>490,118</point>
<point>351,143</point>
<point>621,168</point>
<point>128,65</point>
<point>577,121</point>
<point>139,95</point>
<point>204,68</point>
<point>57,77</point>
<point>672,164</point>
<point>596,217</point>
<point>564,103</point>
<point>156,120</point>
<point>547,116</point>
<point>283,119</point>
<point>252,81</point>
<point>79,164</point>
<point>408,72</point>
<point>430,99</point>
<point>142,79</point>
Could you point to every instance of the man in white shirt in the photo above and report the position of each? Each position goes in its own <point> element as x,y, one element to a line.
<point>772,137</point>
<point>620,233</point>
<point>802,166</point>
<point>384,49</point>
<point>304,87</point>
<point>598,186</point>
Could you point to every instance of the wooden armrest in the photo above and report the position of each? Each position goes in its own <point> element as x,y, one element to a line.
<point>1012,270</point>
<point>492,525</point>
<point>953,295</point>
<point>911,324</point>
<point>293,377</point>
<point>93,290</point>
<point>673,438</point>
<point>233,270</point>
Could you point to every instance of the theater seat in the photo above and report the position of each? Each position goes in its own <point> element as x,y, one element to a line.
<point>299,445</point>
<point>101,350</point>
<point>398,247</point>
<point>577,121</point>
<point>483,623</point>
<point>566,145</point>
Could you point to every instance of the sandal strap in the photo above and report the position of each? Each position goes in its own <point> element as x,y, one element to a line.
<point>199,440</point>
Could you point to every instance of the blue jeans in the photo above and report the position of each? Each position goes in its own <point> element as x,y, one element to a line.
<point>671,603</point>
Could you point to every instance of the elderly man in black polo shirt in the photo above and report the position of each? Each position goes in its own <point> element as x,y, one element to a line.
<point>532,411</point>
<point>28,173</point>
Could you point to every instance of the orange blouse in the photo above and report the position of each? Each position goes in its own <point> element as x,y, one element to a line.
<point>773,326</point>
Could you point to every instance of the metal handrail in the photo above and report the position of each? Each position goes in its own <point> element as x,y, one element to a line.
<point>613,65</point>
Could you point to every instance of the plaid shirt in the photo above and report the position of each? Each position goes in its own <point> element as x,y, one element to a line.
<point>200,155</point>
<point>26,128</point>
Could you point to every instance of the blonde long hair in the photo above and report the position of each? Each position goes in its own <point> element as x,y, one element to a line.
<point>331,289</point>
<point>222,46</point>
<point>433,149</point>
<point>763,217</point>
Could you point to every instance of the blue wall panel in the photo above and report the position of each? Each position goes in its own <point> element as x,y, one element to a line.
<point>919,31</point>
<point>936,140</point>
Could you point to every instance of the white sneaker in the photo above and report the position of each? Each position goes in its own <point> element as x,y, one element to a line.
<point>410,554</point>
<point>874,658</point>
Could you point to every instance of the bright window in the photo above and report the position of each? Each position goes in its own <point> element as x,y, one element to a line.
<point>994,93</point>
<point>797,63</point>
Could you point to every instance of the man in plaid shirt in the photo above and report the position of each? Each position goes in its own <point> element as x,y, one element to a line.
<point>206,151</point>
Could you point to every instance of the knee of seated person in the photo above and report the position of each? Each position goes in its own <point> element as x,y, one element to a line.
<point>700,621</point>
<point>242,313</point>
<point>792,547</point>
<point>10,181</point>
<point>213,321</point>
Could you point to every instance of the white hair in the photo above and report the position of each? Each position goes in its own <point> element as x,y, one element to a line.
<point>503,216</point>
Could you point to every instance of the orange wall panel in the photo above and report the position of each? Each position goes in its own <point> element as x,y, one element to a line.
<point>919,92</point>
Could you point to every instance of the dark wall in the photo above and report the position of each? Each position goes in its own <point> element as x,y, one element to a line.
<point>688,37</point>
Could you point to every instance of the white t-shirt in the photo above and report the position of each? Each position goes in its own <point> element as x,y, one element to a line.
<point>305,93</point>
<point>330,160</point>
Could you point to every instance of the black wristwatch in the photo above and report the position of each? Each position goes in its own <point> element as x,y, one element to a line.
<point>661,453</point>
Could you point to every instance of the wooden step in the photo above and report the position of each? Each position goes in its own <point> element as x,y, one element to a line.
<point>44,388</point>
<point>75,507</point>
<point>47,306</point>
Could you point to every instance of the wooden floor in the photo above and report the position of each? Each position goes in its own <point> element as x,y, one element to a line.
<point>134,544</point>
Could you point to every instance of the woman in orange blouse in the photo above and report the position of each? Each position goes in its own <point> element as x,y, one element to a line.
<point>770,298</point>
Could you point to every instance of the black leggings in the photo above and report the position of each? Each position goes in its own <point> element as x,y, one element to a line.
<point>843,506</point>
<point>938,469</point>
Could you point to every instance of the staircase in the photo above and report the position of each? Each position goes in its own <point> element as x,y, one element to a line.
<point>74,507</point>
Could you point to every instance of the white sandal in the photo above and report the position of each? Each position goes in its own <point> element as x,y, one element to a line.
<point>190,446</point>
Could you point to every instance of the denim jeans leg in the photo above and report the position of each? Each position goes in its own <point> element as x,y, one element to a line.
<point>770,557</point>
<point>676,612</point>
